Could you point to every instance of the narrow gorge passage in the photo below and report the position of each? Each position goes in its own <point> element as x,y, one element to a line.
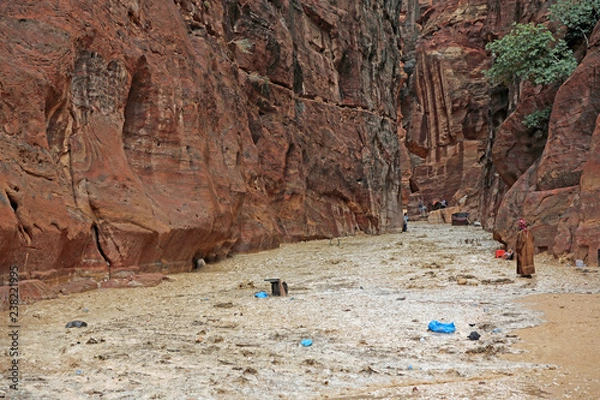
<point>365,304</point>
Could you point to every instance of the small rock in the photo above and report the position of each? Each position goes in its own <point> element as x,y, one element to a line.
<point>224,305</point>
<point>76,324</point>
<point>474,336</point>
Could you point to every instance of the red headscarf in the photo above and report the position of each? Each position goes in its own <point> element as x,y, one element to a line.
<point>522,224</point>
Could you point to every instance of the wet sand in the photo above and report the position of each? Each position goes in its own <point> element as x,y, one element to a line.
<point>365,304</point>
<point>569,339</point>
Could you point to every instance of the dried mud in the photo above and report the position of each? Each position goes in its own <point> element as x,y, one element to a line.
<point>365,302</point>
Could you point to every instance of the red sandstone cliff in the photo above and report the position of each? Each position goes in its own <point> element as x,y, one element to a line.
<point>445,103</point>
<point>143,135</point>
<point>559,194</point>
<point>466,140</point>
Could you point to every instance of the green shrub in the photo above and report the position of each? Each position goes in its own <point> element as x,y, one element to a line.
<point>538,119</point>
<point>530,52</point>
<point>579,17</point>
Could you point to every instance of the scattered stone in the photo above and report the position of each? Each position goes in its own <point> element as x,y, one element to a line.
<point>487,327</point>
<point>224,305</point>
<point>247,285</point>
<point>368,370</point>
<point>76,324</point>
<point>474,336</point>
<point>500,281</point>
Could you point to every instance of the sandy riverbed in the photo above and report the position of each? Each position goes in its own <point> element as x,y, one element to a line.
<point>365,304</point>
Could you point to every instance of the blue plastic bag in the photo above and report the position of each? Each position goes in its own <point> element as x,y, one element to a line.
<point>440,327</point>
<point>306,342</point>
<point>261,295</point>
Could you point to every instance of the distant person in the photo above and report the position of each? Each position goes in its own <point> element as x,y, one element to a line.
<point>405,224</point>
<point>444,203</point>
<point>422,209</point>
<point>524,251</point>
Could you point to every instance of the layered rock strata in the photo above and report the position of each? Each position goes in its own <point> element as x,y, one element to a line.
<point>147,136</point>
<point>445,103</point>
<point>559,194</point>
<point>466,140</point>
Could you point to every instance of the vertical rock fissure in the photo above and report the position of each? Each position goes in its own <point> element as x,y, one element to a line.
<point>15,204</point>
<point>96,234</point>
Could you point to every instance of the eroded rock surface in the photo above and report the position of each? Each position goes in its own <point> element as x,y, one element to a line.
<point>140,137</point>
<point>466,141</point>
<point>559,194</point>
<point>445,105</point>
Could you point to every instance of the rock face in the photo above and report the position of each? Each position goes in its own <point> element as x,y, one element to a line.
<point>445,104</point>
<point>559,195</point>
<point>142,136</point>
<point>466,141</point>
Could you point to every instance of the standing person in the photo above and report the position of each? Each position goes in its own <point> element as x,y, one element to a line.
<point>524,251</point>
<point>422,209</point>
<point>405,225</point>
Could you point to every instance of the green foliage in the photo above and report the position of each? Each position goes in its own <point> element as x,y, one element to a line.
<point>579,17</point>
<point>538,119</point>
<point>530,52</point>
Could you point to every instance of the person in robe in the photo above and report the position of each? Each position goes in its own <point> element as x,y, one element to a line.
<point>524,251</point>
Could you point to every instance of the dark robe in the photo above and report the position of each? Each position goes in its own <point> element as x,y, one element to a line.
<point>524,251</point>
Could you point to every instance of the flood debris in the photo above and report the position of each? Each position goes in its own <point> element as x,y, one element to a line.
<point>382,329</point>
<point>76,324</point>
<point>278,287</point>
<point>441,327</point>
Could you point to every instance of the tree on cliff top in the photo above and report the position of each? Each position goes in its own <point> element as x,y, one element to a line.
<point>532,53</point>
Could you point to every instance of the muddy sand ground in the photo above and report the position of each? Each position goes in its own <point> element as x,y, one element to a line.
<point>365,304</point>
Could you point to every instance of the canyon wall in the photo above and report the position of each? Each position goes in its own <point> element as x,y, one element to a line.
<point>143,136</point>
<point>466,141</point>
<point>445,103</point>
<point>559,194</point>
